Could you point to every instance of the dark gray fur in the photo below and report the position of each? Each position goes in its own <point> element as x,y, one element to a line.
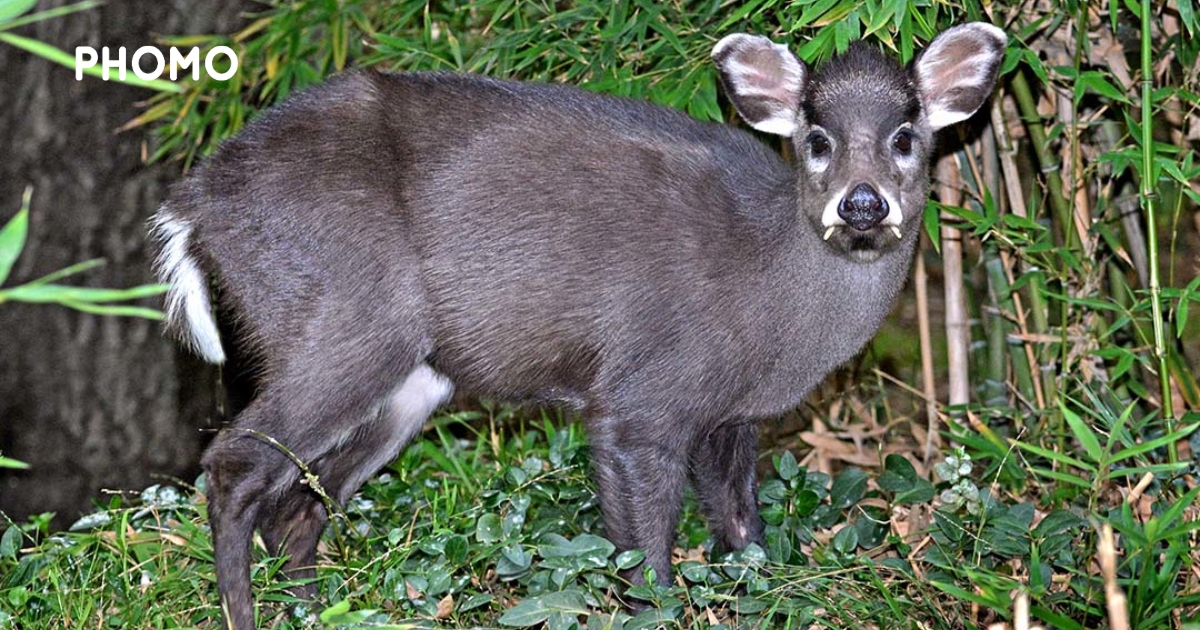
<point>665,277</point>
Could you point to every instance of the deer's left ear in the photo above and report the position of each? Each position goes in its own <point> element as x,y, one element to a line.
<point>763,80</point>
<point>957,71</point>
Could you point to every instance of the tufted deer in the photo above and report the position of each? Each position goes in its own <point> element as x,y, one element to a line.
<point>383,239</point>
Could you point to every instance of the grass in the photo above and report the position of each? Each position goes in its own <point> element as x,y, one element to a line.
<point>490,520</point>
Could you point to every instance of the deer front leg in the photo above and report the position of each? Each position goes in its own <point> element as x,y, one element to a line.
<point>641,474</point>
<point>721,464</point>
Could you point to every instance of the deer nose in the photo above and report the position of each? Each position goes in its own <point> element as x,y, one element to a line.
<point>863,208</point>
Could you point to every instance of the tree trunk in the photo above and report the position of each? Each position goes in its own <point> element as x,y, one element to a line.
<point>91,402</point>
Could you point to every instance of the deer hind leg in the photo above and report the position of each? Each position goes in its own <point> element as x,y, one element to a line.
<point>296,525</point>
<point>336,406</point>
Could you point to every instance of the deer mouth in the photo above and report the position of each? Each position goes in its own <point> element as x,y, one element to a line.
<point>850,228</point>
<point>863,246</point>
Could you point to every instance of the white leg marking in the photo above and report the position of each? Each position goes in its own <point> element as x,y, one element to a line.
<point>405,409</point>
<point>188,305</point>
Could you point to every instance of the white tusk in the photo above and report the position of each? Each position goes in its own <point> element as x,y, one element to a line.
<point>829,232</point>
<point>896,231</point>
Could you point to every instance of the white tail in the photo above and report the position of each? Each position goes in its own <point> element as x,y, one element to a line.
<point>189,309</point>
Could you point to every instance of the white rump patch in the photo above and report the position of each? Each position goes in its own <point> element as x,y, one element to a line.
<point>189,309</point>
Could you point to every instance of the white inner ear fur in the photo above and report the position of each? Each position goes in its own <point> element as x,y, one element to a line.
<point>942,68</point>
<point>781,93</point>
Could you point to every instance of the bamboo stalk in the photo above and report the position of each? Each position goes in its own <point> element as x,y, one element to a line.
<point>924,334</point>
<point>1003,300</point>
<point>1126,201</point>
<point>1050,166</point>
<point>1011,177</point>
<point>986,175</point>
<point>1062,215</point>
<point>957,322</point>
<point>1149,196</point>
<point>1072,154</point>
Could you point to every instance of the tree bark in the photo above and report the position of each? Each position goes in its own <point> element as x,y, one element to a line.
<point>91,402</point>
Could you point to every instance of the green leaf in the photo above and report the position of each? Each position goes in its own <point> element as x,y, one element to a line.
<point>787,467</point>
<point>67,271</point>
<point>1054,455</point>
<point>513,562</point>
<point>337,609</point>
<point>535,610</point>
<point>456,549</point>
<point>115,311</point>
<point>806,502</point>
<point>489,528</point>
<point>10,542</point>
<point>1187,15</point>
<point>584,550</point>
<point>848,487</point>
<point>846,540</point>
<point>49,14</point>
<point>1084,433</point>
<point>61,57</point>
<point>12,237</point>
<point>900,478</point>
<point>475,601</point>
<point>6,462</point>
<point>629,559</point>
<point>1057,522</point>
<point>933,225</point>
<point>1097,82</point>
<point>10,9</point>
<point>49,293</point>
<point>1159,442</point>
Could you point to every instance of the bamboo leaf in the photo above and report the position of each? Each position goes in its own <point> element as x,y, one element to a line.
<point>115,311</point>
<point>12,237</point>
<point>1187,15</point>
<point>61,57</point>
<point>1083,433</point>
<point>7,25</point>
<point>49,293</point>
<point>1150,445</point>
<point>10,9</point>
<point>67,271</point>
<point>1054,456</point>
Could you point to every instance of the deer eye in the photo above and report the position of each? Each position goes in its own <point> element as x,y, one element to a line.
<point>902,142</point>
<point>818,144</point>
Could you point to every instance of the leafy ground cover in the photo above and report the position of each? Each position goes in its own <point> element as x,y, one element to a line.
<point>490,521</point>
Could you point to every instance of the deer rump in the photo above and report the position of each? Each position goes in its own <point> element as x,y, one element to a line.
<point>383,239</point>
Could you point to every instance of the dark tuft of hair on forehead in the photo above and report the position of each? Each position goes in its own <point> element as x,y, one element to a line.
<point>860,75</point>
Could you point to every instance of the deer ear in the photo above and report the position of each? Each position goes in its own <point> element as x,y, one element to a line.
<point>957,71</point>
<point>763,80</point>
